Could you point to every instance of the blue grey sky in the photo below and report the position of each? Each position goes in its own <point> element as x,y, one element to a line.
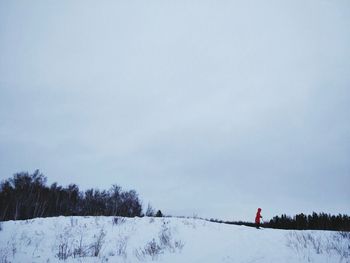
<point>208,108</point>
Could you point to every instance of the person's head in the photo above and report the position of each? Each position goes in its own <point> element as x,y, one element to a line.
<point>259,209</point>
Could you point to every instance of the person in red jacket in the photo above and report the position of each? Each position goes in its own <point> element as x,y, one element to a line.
<point>257,218</point>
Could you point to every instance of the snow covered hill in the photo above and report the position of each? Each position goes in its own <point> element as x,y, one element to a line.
<point>116,239</point>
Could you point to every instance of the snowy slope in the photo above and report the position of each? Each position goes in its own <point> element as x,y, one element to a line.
<point>102,239</point>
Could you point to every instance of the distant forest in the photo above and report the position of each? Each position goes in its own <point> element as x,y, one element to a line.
<point>316,221</point>
<point>27,196</point>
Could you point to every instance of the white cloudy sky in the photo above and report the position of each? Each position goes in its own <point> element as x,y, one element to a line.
<point>212,108</point>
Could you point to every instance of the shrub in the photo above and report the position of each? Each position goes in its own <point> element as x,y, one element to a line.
<point>73,221</point>
<point>121,246</point>
<point>165,237</point>
<point>179,245</point>
<point>4,255</point>
<point>63,252</point>
<point>151,249</point>
<point>159,214</point>
<point>341,244</point>
<point>79,249</point>
<point>150,210</point>
<point>303,242</point>
<point>118,220</point>
<point>97,245</point>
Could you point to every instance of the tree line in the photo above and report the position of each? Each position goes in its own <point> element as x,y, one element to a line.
<point>314,221</point>
<point>26,196</point>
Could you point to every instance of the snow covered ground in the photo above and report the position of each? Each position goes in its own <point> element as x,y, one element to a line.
<point>110,239</point>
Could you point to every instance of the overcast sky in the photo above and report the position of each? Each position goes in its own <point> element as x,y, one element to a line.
<point>208,108</point>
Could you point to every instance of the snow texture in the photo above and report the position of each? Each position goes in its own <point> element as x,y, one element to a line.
<point>117,239</point>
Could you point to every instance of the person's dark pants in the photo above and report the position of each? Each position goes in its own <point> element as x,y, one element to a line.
<point>257,224</point>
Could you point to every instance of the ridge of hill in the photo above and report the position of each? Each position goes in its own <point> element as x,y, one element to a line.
<point>148,239</point>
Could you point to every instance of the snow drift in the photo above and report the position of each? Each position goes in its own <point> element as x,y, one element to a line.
<point>117,239</point>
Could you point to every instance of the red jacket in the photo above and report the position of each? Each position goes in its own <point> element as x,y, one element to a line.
<point>258,216</point>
